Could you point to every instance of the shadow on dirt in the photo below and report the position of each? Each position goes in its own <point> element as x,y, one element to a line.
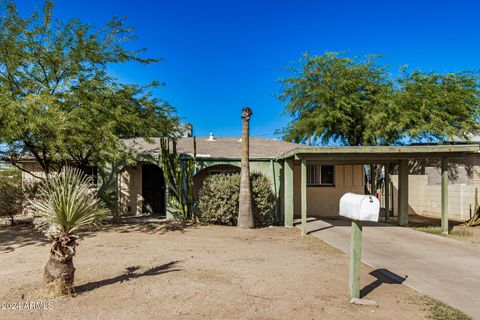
<point>383,276</point>
<point>131,273</point>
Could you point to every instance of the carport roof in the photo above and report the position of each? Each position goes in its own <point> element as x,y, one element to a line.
<point>381,153</point>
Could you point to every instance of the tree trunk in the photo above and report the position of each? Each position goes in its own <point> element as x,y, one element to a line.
<point>59,272</point>
<point>245,215</point>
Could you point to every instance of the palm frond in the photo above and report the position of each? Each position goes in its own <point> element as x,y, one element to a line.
<point>67,202</point>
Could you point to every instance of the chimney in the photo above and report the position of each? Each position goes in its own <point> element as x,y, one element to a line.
<point>211,138</point>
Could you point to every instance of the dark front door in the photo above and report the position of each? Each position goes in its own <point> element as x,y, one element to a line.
<point>153,189</point>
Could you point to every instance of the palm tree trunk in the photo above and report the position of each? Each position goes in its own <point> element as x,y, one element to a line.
<point>245,216</point>
<point>59,272</point>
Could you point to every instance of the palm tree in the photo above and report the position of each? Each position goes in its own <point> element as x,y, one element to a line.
<point>66,203</point>
<point>245,215</point>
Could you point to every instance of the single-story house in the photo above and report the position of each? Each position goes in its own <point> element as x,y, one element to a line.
<point>326,183</point>
<point>307,181</point>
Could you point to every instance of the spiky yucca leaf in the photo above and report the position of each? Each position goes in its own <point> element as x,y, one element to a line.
<point>67,202</point>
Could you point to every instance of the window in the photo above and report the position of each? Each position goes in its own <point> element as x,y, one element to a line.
<point>320,175</point>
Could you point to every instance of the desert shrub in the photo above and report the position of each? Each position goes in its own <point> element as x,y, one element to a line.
<point>219,196</point>
<point>263,200</point>
<point>11,198</point>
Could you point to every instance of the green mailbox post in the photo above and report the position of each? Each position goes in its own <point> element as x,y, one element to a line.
<point>358,208</point>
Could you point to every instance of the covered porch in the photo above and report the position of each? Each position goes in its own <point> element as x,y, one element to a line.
<point>386,156</point>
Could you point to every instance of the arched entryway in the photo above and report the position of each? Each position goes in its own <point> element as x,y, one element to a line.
<point>215,169</point>
<point>153,189</point>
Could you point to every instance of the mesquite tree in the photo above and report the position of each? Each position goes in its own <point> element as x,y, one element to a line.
<point>357,102</point>
<point>58,102</point>
<point>245,214</point>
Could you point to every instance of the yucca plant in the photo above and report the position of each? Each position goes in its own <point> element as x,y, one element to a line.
<point>66,203</point>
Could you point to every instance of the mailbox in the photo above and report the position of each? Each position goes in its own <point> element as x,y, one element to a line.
<point>359,207</point>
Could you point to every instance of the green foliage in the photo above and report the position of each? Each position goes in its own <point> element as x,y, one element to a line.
<point>178,172</point>
<point>331,97</point>
<point>67,202</point>
<point>58,103</point>
<point>438,107</point>
<point>11,198</point>
<point>356,102</point>
<point>263,200</point>
<point>219,199</point>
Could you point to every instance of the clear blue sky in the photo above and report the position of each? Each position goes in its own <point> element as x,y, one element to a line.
<point>222,55</point>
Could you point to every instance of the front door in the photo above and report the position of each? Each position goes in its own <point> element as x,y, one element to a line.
<point>153,189</point>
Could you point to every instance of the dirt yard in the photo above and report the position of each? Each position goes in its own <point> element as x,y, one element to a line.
<point>150,270</point>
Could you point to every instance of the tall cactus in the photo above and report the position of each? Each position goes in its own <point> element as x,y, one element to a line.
<point>178,171</point>
<point>476,200</point>
<point>475,219</point>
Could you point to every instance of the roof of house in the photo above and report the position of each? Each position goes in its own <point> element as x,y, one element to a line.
<point>221,148</point>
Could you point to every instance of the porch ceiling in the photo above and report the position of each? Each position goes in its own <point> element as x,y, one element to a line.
<point>381,154</point>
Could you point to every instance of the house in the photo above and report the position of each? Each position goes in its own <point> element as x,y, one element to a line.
<point>143,184</point>
<point>307,181</point>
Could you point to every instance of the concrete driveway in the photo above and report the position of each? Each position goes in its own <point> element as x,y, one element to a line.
<point>443,268</point>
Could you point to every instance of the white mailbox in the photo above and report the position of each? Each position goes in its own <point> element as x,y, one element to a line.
<point>359,207</point>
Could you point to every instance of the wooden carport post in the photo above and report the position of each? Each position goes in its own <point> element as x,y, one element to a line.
<point>288,192</point>
<point>444,166</point>
<point>403,193</point>
<point>386,188</point>
<point>304,197</point>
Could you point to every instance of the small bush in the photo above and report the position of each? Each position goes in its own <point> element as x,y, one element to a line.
<point>219,197</point>
<point>11,198</point>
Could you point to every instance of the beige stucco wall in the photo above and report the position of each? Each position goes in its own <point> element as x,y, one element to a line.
<point>425,199</point>
<point>130,187</point>
<point>323,201</point>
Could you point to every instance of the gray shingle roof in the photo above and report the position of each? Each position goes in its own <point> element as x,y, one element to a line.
<point>230,147</point>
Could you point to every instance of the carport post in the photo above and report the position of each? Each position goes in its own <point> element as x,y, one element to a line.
<point>444,166</point>
<point>288,193</point>
<point>355,258</point>
<point>386,188</point>
<point>304,196</point>
<point>403,193</point>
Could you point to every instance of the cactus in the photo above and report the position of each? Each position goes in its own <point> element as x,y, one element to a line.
<point>178,171</point>
<point>475,219</point>
<point>476,200</point>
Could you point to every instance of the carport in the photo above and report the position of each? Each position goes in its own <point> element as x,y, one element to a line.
<point>371,155</point>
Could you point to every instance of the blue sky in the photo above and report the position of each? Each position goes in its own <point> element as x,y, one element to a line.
<point>222,55</point>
